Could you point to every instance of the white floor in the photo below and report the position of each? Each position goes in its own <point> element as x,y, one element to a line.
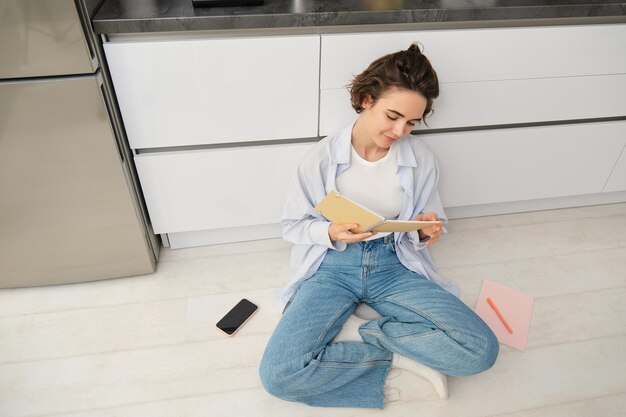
<point>147,346</point>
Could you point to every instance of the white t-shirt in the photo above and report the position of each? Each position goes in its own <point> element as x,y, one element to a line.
<point>374,185</point>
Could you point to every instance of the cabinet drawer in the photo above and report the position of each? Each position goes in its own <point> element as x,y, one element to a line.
<point>201,91</point>
<point>485,54</point>
<point>488,103</point>
<point>217,188</point>
<point>504,165</point>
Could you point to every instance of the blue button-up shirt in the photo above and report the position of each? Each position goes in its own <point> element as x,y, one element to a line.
<point>316,177</point>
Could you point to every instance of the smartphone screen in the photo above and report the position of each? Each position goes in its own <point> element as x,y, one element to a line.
<point>236,317</point>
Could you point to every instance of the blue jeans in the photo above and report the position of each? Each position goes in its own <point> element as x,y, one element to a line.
<point>420,320</point>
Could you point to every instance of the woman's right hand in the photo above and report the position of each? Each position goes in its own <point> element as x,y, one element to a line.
<point>342,233</point>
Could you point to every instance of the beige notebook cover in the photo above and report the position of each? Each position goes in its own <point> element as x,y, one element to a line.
<point>339,209</point>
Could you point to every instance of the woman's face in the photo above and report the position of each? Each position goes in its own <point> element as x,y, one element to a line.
<point>392,116</point>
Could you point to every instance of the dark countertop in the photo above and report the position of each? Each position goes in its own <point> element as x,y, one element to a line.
<point>140,16</point>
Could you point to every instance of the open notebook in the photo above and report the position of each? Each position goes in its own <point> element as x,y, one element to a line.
<point>339,209</point>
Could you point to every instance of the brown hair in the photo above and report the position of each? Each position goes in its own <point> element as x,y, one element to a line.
<point>409,70</point>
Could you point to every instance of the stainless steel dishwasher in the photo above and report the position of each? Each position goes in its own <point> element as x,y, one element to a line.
<point>70,206</point>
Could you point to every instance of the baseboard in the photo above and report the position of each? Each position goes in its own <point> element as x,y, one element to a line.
<point>227,235</point>
<point>535,205</point>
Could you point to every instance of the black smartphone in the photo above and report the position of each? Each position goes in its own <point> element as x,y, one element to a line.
<point>237,316</point>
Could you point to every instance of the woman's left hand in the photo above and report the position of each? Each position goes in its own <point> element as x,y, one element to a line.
<point>433,232</point>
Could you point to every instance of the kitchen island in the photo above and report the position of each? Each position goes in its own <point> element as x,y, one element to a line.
<point>221,104</point>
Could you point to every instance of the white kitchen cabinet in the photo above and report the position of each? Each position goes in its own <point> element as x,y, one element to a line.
<point>460,55</point>
<point>503,165</point>
<point>217,188</point>
<point>493,76</point>
<point>487,103</point>
<point>205,91</point>
<point>180,97</point>
<point>196,190</point>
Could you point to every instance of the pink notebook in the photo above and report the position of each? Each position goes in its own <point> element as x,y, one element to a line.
<point>514,306</point>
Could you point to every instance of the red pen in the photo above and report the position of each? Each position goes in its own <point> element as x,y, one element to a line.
<point>502,319</point>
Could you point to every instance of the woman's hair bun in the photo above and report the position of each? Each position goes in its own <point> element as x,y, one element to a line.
<point>408,69</point>
<point>415,47</point>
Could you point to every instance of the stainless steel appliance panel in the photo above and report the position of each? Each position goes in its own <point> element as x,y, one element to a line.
<point>43,38</point>
<point>66,210</point>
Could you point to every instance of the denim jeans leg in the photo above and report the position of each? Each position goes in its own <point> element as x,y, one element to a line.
<point>424,322</point>
<point>301,364</point>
